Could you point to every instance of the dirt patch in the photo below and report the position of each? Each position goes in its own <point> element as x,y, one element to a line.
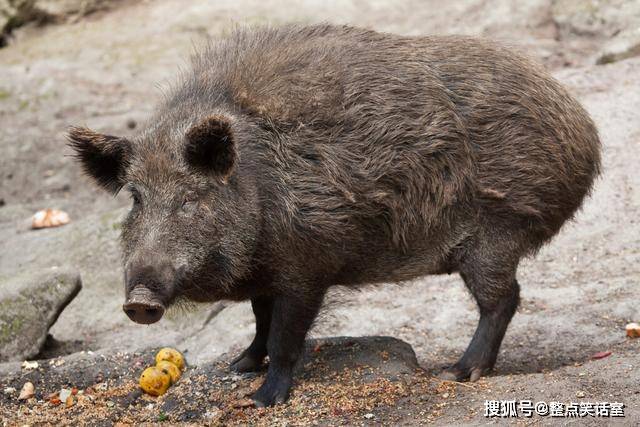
<point>341,380</point>
<point>354,381</point>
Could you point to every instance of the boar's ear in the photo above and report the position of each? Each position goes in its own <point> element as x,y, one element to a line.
<point>210,145</point>
<point>103,157</point>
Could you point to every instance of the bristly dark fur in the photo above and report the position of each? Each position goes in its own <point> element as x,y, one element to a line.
<point>293,159</point>
<point>364,100</point>
<point>102,156</point>
<point>209,145</point>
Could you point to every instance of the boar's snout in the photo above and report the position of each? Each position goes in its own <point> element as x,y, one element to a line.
<point>150,287</point>
<point>143,307</point>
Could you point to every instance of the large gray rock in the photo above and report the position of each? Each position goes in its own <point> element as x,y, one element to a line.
<point>603,31</point>
<point>624,45</point>
<point>59,10</point>
<point>14,13</point>
<point>593,17</point>
<point>29,305</point>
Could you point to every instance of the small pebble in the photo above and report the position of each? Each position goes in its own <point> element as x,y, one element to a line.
<point>9,390</point>
<point>580,394</point>
<point>64,394</point>
<point>27,392</point>
<point>369,416</point>
<point>633,330</point>
<point>26,365</point>
<point>214,413</point>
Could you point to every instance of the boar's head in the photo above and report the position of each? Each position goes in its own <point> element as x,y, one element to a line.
<point>192,225</point>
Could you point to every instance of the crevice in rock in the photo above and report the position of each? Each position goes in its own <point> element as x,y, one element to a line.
<point>53,348</point>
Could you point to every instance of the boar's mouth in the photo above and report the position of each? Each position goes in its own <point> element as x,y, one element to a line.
<point>143,306</point>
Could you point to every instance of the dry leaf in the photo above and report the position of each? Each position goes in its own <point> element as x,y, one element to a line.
<point>601,355</point>
<point>243,403</point>
<point>255,384</point>
<point>49,218</point>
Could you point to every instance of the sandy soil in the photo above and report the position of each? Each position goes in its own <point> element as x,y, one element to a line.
<point>106,71</point>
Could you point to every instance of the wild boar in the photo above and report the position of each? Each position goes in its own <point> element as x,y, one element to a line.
<point>292,159</point>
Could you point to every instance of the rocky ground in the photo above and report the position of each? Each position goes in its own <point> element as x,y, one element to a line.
<point>106,69</point>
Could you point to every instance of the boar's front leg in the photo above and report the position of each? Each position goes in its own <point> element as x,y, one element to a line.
<point>291,318</point>
<point>250,359</point>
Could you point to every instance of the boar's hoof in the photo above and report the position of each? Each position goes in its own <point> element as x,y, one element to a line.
<point>272,392</point>
<point>460,374</point>
<point>246,362</point>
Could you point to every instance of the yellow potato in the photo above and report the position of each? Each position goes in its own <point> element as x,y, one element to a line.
<point>169,369</point>
<point>170,355</point>
<point>154,381</point>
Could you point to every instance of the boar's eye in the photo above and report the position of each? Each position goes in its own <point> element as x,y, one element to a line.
<point>135,196</point>
<point>189,203</point>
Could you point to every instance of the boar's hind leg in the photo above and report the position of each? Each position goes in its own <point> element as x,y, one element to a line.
<point>290,321</point>
<point>251,358</point>
<point>493,284</point>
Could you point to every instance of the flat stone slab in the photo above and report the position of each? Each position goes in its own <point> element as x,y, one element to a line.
<point>29,305</point>
<point>389,356</point>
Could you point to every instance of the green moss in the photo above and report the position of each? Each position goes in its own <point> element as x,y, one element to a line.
<point>4,94</point>
<point>9,328</point>
<point>110,221</point>
<point>106,218</point>
<point>52,94</point>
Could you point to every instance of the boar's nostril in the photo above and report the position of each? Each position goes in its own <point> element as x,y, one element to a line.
<point>152,312</point>
<point>144,313</point>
